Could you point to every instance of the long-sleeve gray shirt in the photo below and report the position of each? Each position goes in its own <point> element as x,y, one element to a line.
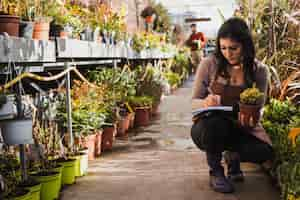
<point>207,71</point>
<point>205,75</point>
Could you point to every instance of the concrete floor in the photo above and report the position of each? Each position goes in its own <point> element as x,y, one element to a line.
<point>161,162</point>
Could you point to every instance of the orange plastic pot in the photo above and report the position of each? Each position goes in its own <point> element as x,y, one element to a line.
<point>41,31</point>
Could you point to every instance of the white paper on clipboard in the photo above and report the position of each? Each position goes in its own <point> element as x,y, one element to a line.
<point>212,108</point>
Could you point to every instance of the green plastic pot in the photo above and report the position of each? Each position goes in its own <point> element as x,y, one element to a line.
<point>77,165</point>
<point>58,169</point>
<point>50,185</point>
<point>81,164</point>
<point>34,191</point>
<point>26,196</point>
<point>68,172</point>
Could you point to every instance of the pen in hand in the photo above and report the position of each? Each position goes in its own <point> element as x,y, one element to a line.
<point>212,99</point>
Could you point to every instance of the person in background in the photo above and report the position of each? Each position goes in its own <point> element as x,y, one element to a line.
<point>219,80</point>
<point>196,42</point>
<point>178,37</point>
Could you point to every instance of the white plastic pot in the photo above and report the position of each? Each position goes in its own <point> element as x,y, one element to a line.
<point>17,131</point>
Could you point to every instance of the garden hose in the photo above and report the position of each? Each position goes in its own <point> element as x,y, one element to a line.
<point>41,78</point>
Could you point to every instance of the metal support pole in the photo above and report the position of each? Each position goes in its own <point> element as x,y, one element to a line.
<point>69,106</point>
<point>20,115</point>
<point>23,162</point>
<point>115,63</point>
<point>21,146</point>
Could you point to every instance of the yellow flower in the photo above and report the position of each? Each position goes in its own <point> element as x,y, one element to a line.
<point>292,197</point>
<point>294,132</point>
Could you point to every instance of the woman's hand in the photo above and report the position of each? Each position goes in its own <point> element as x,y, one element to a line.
<point>212,100</point>
<point>246,121</point>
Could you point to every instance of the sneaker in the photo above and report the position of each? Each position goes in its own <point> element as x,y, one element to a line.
<point>236,176</point>
<point>220,184</point>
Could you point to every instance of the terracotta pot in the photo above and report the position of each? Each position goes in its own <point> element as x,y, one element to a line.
<point>131,117</point>
<point>63,34</point>
<point>142,117</point>
<point>250,113</point>
<point>10,25</point>
<point>89,142</point>
<point>108,137</point>
<point>41,31</point>
<point>122,126</point>
<point>127,122</point>
<point>98,143</point>
<point>149,19</point>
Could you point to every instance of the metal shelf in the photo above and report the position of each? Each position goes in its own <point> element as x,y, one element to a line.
<point>21,50</point>
<point>38,55</point>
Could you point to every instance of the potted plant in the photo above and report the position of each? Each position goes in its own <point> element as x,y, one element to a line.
<point>49,144</point>
<point>88,114</point>
<point>33,186</point>
<point>173,79</point>
<point>8,179</point>
<point>142,106</point>
<point>60,15</point>
<point>251,101</point>
<point>150,84</point>
<point>109,128</point>
<point>17,129</point>
<point>9,21</point>
<point>138,43</point>
<point>122,122</point>
<point>42,19</point>
<point>26,12</point>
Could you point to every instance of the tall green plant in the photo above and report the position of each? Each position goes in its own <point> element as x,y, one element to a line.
<point>286,32</point>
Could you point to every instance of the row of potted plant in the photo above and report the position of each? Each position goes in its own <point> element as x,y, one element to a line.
<point>116,100</point>
<point>142,41</point>
<point>119,98</point>
<point>68,18</point>
<point>50,162</point>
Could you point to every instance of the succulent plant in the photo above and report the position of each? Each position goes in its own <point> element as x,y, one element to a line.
<point>252,96</point>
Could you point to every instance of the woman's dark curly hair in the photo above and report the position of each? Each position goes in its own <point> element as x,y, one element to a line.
<point>236,29</point>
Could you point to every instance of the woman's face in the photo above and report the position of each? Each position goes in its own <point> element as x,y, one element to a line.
<point>231,50</point>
